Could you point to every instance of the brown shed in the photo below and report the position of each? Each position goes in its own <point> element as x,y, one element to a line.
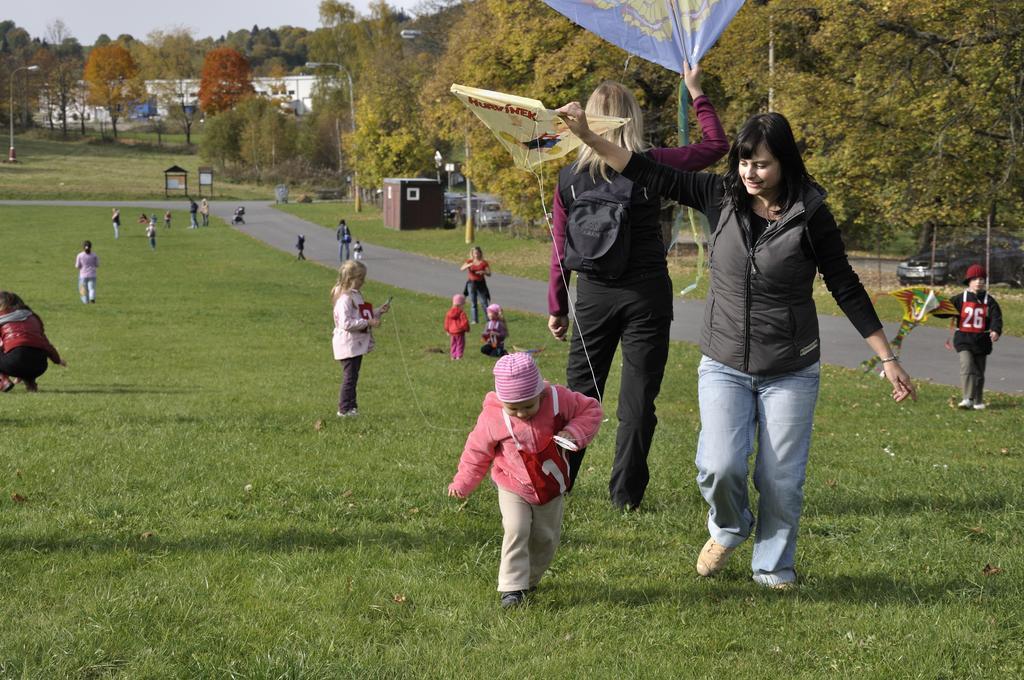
<point>413,203</point>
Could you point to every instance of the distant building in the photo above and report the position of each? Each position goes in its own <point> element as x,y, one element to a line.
<point>292,92</point>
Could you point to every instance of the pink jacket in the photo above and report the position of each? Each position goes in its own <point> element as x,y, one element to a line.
<point>490,440</point>
<point>352,336</point>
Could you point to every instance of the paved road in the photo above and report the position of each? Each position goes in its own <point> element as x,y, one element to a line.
<point>923,353</point>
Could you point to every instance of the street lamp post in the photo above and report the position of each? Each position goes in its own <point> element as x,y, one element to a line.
<point>352,110</point>
<point>12,157</point>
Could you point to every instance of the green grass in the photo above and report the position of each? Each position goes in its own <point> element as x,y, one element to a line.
<point>205,367</point>
<point>84,170</point>
<point>529,257</point>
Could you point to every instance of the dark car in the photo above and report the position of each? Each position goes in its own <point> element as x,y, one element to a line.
<point>1006,262</point>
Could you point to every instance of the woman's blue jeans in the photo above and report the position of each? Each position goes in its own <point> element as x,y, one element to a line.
<point>779,410</point>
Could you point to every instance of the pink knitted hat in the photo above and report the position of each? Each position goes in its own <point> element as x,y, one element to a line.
<point>517,378</point>
<point>495,308</point>
<point>458,300</point>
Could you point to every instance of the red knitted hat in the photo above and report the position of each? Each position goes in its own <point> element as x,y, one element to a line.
<point>975,271</point>
<point>517,378</point>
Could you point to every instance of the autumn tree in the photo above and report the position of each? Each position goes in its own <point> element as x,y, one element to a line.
<point>111,74</point>
<point>226,80</point>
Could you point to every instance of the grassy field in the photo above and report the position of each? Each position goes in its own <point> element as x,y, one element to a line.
<point>87,170</point>
<point>529,258</point>
<point>181,501</point>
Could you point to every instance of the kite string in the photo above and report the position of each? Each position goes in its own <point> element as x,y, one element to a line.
<point>561,271</point>
<point>409,380</point>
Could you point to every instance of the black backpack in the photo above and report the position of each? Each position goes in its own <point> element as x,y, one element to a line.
<point>597,225</point>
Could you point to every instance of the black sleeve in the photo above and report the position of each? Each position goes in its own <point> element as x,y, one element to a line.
<point>840,279</point>
<point>699,190</point>
<point>995,316</point>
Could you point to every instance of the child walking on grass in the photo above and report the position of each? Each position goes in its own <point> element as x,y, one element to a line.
<point>456,324</point>
<point>516,432</point>
<point>87,262</point>
<point>353,319</point>
<point>494,333</point>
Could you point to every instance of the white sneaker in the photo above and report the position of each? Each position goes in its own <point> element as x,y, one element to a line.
<point>979,407</point>
<point>966,403</point>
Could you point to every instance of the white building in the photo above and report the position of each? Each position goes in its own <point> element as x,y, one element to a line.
<point>293,92</point>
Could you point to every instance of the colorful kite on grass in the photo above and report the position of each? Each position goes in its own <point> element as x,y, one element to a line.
<point>918,305</point>
<point>531,132</point>
<point>662,31</point>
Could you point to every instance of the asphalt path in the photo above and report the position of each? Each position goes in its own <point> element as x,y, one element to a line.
<point>923,353</point>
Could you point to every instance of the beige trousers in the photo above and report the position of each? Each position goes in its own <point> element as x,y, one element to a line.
<point>532,533</point>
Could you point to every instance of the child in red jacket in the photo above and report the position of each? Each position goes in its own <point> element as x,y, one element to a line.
<point>456,324</point>
<point>524,428</point>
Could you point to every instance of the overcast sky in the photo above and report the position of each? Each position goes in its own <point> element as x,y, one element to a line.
<point>86,19</point>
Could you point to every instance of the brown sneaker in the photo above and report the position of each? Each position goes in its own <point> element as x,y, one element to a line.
<point>713,558</point>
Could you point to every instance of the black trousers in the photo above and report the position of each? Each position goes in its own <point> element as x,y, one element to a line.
<point>27,363</point>
<point>349,379</point>
<point>638,316</point>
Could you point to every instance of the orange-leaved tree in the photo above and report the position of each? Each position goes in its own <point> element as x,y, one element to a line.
<point>226,80</point>
<point>112,76</point>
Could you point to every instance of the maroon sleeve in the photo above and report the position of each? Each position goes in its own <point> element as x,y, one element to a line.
<point>698,156</point>
<point>558,294</point>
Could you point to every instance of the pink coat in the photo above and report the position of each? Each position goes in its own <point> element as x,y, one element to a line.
<point>352,336</point>
<point>490,440</point>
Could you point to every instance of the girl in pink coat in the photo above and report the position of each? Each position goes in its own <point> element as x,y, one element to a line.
<point>353,319</point>
<point>524,428</point>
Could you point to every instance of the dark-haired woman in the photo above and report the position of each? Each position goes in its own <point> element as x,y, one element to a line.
<point>758,378</point>
<point>24,347</point>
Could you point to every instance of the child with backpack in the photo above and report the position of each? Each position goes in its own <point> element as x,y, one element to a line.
<point>523,429</point>
<point>456,325</point>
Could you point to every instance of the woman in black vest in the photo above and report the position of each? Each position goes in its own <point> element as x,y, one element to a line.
<point>760,371</point>
<point>632,303</point>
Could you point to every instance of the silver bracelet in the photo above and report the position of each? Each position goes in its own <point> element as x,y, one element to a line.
<point>891,357</point>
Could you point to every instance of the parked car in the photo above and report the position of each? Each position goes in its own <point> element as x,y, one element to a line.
<point>1006,262</point>
<point>491,214</point>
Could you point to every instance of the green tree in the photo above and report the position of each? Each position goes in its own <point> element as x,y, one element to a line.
<point>911,110</point>
<point>541,55</point>
<point>221,140</point>
<point>173,59</point>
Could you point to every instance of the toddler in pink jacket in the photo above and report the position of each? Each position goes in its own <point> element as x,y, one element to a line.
<point>518,430</point>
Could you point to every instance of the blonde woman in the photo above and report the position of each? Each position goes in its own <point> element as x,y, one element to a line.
<point>353,320</point>
<point>625,295</point>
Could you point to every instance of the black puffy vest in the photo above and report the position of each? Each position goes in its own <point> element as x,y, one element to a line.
<point>760,317</point>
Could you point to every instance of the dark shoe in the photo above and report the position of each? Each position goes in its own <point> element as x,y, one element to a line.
<point>513,599</point>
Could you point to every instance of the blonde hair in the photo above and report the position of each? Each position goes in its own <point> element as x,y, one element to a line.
<point>613,99</point>
<point>348,273</point>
